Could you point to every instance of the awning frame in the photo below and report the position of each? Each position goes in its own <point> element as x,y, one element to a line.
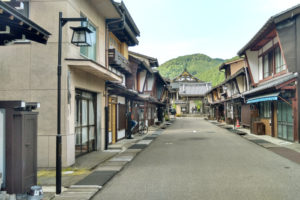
<point>262,98</point>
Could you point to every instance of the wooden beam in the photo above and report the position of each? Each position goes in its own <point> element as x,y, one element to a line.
<point>285,83</point>
<point>1,11</point>
<point>30,28</point>
<point>285,101</point>
<point>288,87</point>
<point>11,17</point>
<point>21,23</point>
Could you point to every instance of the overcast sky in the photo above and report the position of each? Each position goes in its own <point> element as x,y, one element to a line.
<point>217,28</point>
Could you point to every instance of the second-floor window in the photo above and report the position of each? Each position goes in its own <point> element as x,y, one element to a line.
<point>279,62</point>
<point>272,62</point>
<point>268,64</point>
<point>21,7</point>
<point>90,51</point>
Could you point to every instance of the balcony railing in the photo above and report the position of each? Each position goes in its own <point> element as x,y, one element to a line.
<point>117,60</point>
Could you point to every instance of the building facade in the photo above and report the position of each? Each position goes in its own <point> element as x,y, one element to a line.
<point>266,90</point>
<point>84,73</point>
<point>225,100</point>
<point>273,65</point>
<point>187,92</point>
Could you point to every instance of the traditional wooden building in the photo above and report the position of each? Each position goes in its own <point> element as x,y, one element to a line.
<point>274,65</point>
<point>151,87</point>
<point>118,58</point>
<point>186,90</point>
<point>226,100</point>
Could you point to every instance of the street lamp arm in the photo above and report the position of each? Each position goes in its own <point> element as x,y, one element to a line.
<point>79,19</point>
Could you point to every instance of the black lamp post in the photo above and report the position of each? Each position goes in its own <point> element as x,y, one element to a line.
<point>80,38</point>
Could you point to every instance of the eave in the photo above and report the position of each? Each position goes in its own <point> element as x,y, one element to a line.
<point>106,8</point>
<point>269,26</point>
<point>93,68</point>
<point>20,26</point>
<point>118,89</point>
<point>153,61</point>
<point>141,63</point>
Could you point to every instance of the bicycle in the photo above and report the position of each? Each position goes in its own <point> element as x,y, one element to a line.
<point>143,129</point>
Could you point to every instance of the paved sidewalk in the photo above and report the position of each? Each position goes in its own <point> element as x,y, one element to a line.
<point>101,171</point>
<point>289,150</point>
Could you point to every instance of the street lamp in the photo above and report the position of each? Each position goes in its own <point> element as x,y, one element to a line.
<point>80,38</point>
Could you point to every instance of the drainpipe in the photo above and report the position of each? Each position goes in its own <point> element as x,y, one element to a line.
<point>106,115</point>
<point>106,46</point>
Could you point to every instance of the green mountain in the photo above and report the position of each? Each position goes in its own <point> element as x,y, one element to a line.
<point>199,65</point>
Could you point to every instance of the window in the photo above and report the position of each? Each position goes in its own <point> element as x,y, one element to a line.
<point>272,62</point>
<point>279,62</point>
<point>265,109</point>
<point>21,7</point>
<point>90,52</point>
<point>268,64</point>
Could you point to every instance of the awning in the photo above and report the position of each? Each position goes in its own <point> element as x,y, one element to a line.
<point>267,97</point>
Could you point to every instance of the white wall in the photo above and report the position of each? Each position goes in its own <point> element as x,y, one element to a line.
<point>109,137</point>
<point>241,83</point>
<point>142,80</point>
<point>121,100</point>
<point>121,134</point>
<point>150,83</point>
<point>253,64</point>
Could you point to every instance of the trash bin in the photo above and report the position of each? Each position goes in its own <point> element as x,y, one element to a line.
<point>20,145</point>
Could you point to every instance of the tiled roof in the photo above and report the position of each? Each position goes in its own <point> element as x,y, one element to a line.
<point>272,83</point>
<point>193,89</point>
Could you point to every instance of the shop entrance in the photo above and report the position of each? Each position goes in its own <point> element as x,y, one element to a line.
<point>285,121</point>
<point>85,122</point>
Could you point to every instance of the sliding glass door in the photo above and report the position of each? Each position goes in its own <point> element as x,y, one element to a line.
<point>85,122</point>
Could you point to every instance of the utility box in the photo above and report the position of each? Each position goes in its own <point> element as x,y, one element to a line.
<point>21,146</point>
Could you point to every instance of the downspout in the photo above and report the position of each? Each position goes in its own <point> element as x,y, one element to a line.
<point>106,46</point>
<point>106,115</point>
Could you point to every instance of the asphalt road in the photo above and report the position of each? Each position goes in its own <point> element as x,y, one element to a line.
<point>194,159</point>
